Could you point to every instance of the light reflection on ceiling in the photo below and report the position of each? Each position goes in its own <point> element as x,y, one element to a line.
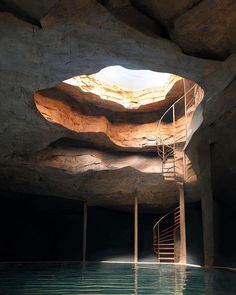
<point>130,88</point>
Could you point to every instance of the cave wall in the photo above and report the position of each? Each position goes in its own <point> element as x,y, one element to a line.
<point>226,239</point>
<point>111,235</point>
<point>43,228</point>
<point>212,151</point>
<point>36,228</point>
<point>40,229</point>
<point>82,37</point>
<point>194,238</point>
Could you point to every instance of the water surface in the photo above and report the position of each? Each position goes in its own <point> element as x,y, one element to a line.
<point>100,278</point>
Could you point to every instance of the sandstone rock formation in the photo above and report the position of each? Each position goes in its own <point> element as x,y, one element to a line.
<point>200,28</point>
<point>42,46</point>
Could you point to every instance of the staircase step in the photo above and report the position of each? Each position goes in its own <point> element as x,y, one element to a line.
<point>167,240</point>
<point>166,253</point>
<point>164,240</point>
<point>164,247</point>
<point>165,244</point>
<point>166,237</point>
<point>170,230</point>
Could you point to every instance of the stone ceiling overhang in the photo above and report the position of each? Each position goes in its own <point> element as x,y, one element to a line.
<point>79,112</point>
<point>82,37</point>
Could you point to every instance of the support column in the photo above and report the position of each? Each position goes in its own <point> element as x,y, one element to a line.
<point>182,224</point>
<point>136,230</point>
<point>85,231</point>
<point>207,204</point>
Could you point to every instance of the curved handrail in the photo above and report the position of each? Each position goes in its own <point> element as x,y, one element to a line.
<point>163,237</point>
<point>160,120</point>
<point>158,222</point>
<point>166,140</point>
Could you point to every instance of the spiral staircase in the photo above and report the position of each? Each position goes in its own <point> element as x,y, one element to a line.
<point>174,128</point>
<point>165,232</point>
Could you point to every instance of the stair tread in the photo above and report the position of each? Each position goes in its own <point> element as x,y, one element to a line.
<point>161,250</point>
<point>165,244</point>
<point>166,240</point>
<point>161,247</point>
<point>166,253</point>
<point>164,249</point>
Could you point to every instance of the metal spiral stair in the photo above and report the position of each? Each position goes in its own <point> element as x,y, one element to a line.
<point>175,166</point>
<point>164,237</point>
<point>170,142</point>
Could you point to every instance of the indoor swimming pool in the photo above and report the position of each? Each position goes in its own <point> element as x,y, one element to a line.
<point>105,278</point>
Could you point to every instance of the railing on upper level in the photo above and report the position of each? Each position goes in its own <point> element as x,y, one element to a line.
<point>173,130</point>
<point>165,234</point>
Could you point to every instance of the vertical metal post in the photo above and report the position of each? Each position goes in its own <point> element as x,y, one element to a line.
<point>173,114</point>
<point>185,167</point>
<point>135,279</point>
<point>186,131</point>
<point>85,231</point>
<point>163,158</point>
<point>185,111</point>
<point>176,252</point>
<point>136,229</point>
<point>158,241</point>
<point>182,224</point>
<point>195,94</point>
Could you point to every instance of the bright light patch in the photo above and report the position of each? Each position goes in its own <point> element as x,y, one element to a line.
<point>132,79</point>
<point>132,89</point>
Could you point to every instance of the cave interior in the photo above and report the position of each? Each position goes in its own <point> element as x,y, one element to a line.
<point>113,114</point>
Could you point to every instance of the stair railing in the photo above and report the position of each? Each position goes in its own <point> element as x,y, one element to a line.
<point>170,142</point>
<point>164,236</point>
<point>177,134</point>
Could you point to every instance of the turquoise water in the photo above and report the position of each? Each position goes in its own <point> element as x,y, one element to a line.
<point>117,279</point>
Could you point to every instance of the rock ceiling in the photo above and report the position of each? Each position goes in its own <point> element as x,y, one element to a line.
<point>64,139</point>
<point>69,106</point>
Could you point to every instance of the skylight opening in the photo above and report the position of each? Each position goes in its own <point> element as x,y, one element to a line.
<point>130,88</point>
<point>133,80</point>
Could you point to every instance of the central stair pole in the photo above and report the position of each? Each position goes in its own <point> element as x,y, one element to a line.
<point>85,231</point>
<point>182,224</point>
<point>136,230</point>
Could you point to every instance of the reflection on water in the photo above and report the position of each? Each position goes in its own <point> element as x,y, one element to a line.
<point>113,279</point>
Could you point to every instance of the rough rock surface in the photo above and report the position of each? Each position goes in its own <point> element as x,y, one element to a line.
<point>91,104</point>
<point>216,136</point>
<point>80,38</point>
<point>86,114</point>
<point>142,99</point>
<point>212,23</point>
<point>101,178</point>
<point>29,10</point>
<point>201,28</point>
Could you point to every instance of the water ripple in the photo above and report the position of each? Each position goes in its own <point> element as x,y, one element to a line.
<point>48,279</point>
